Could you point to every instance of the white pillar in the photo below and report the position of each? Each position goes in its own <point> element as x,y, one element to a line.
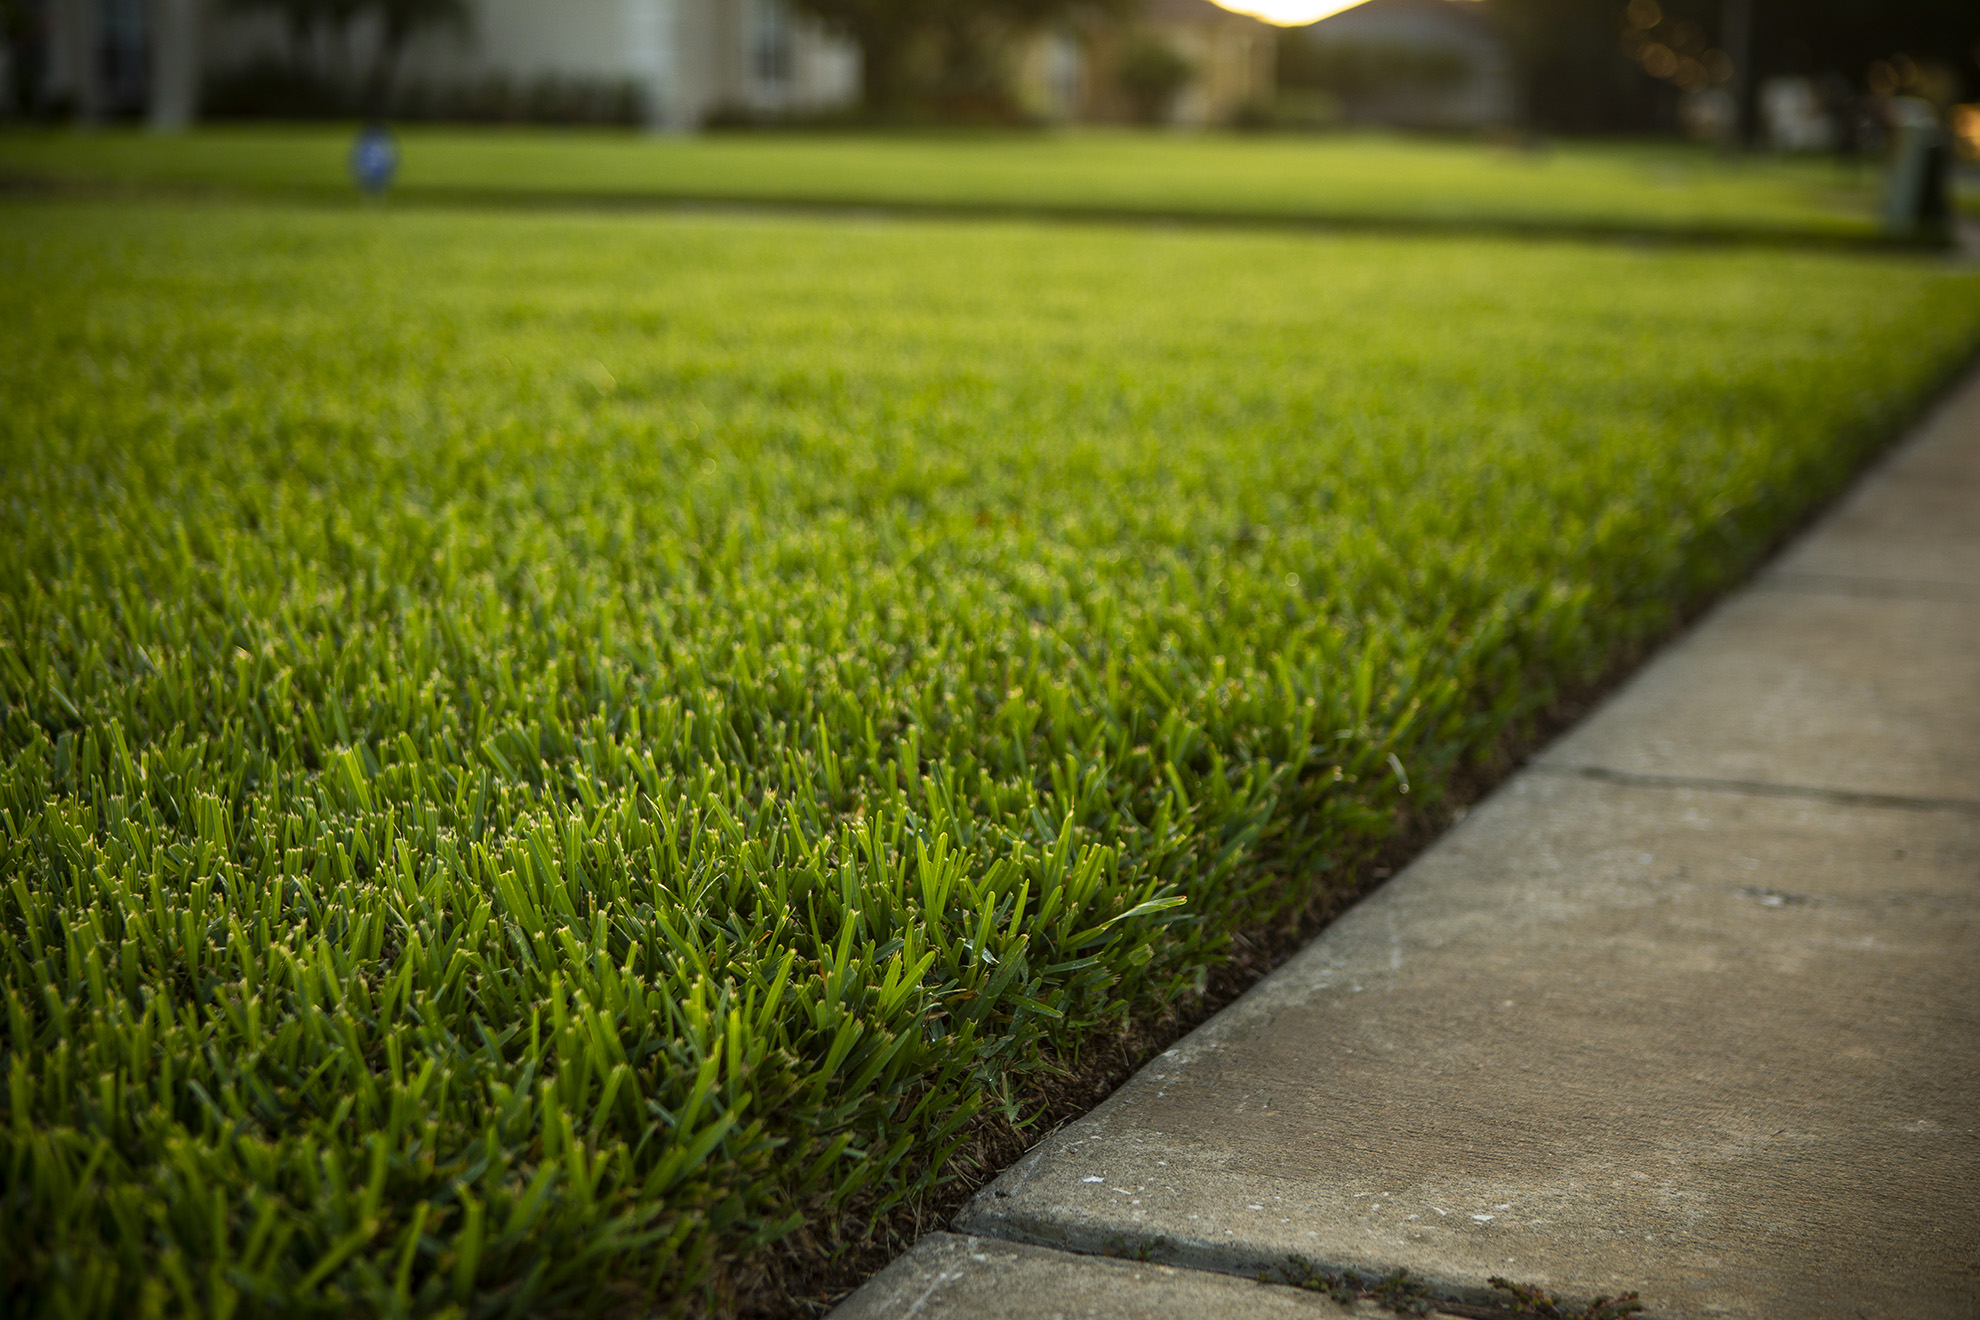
<point>174,65</point>
<point>653,58</point>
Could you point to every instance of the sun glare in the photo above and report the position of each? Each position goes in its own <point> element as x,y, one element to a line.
<point>1289,13</point>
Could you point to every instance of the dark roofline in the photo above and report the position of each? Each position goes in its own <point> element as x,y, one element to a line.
<point>1469,15</point>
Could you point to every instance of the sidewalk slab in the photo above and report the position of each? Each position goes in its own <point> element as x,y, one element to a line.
<point>1913,525</point>
<point>1720,1049</point>
<point>947,1277</point>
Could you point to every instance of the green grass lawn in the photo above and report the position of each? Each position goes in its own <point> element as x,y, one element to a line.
<point>556,760</point>
<point>1348,178</point>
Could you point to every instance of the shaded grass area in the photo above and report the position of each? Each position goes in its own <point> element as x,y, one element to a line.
<point>1344,179</point>
<point>551,760</point>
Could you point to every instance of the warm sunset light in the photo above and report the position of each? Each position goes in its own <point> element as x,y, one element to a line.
<point>1289,13</point>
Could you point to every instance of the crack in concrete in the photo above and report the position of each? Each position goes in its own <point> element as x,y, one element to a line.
<point>1757,788</point>
<point>1846,584</point>
<point>1445,1297</point>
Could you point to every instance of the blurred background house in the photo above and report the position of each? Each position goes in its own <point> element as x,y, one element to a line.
<point>673,63</point>
<point>1798,117</point>
<point>91,59</point>
<point>1183,62</point>
<point>1427,64</point>
<point>665,63</point>
<point>1792,75</point>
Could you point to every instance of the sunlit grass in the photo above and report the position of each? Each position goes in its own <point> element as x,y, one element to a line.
<point>542,753</point>
<point>1346,178</point>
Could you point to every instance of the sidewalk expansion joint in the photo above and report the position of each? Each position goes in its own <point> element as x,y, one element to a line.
<point>1839,796</point>
<point>1840,584</point>
<point>1392,1289</point>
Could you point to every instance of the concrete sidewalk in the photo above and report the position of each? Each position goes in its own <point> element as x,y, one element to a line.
<point>1689,1007</point>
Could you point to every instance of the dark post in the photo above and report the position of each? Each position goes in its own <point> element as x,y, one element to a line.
<point>1736,36</point>
<point>1918,200</point>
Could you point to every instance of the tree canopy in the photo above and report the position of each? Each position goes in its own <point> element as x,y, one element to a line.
<point>1577,75</point>
<point>889,31</point>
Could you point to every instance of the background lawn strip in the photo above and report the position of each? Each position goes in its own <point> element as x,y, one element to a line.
<point>1342,179</point>
<point>549,749</point>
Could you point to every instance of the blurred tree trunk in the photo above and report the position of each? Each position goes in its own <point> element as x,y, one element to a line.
<point>399,22</point>
<point>1736,39</point>
<point>78,33</point>
<point>882,55</point>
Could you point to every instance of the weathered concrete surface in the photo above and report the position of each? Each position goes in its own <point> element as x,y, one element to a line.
<point>1913,527</point>
<point>1692,1007</point>
<point>1719,1048</point>
<point>947,1277</point>
<point>1845,692</point>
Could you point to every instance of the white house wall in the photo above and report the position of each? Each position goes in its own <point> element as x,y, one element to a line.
<point>689,57</point>
<point>526,39</point>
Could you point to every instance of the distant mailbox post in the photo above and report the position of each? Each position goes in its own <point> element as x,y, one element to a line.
<point>1918,203</point>
<point>375,159</point>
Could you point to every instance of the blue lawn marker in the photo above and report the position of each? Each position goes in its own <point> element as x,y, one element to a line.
<point>375,159</point>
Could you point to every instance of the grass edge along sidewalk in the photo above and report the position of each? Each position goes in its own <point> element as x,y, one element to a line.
<point>1659,1016</point>
<point>696,669</point>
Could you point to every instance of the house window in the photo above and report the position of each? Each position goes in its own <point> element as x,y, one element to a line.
<point>123,57</point>
<point>770,56</point>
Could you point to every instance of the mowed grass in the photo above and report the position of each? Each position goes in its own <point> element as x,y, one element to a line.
<point>559,762</point>
<point>1358,178</point>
